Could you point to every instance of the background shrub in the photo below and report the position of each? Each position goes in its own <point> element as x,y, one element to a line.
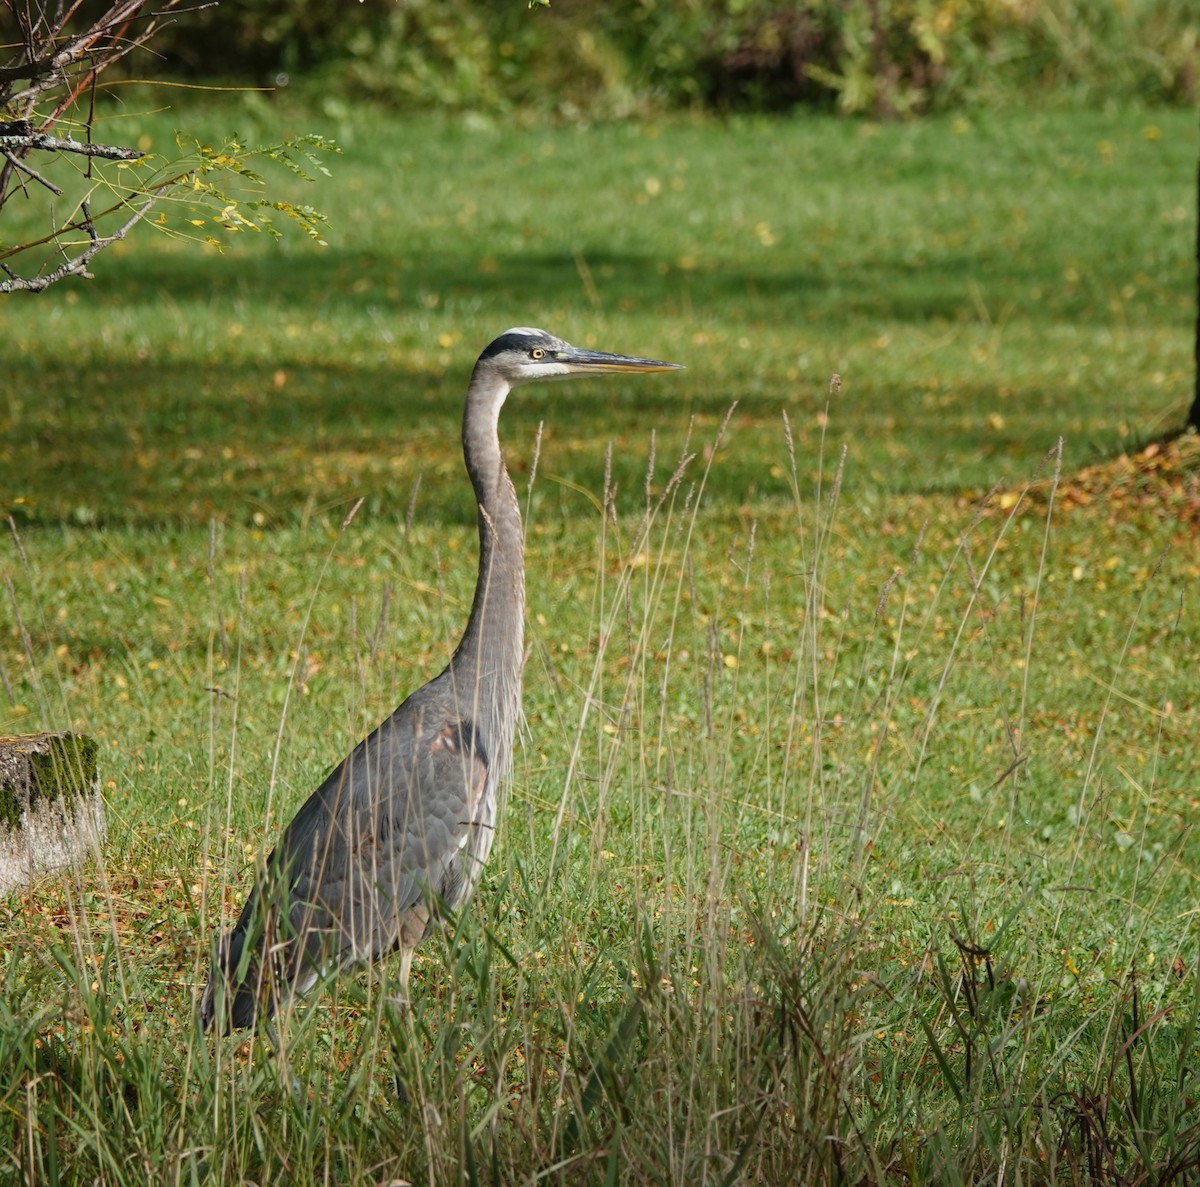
<point>880,57</point>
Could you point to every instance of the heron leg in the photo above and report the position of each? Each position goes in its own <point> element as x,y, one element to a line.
<point>403,1007</point>
<point>402,1097</point>
<point>402,1001</point>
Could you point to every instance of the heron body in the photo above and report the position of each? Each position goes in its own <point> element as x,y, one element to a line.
<point>399,831</point>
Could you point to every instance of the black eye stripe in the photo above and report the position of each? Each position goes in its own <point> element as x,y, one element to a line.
<point>523,342</point>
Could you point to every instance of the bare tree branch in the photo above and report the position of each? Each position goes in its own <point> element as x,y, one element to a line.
<point>112,22</point>
<point>33,173</point>
<point>77,266</point>
<point>38,140</point>
<point>57,61</point>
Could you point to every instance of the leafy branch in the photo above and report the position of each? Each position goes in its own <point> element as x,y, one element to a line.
<point>61,50</point>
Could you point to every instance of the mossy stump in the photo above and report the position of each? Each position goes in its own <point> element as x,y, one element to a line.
<point>51,813</point>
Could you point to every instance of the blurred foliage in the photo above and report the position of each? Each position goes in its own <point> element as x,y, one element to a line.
<point>880,57</point>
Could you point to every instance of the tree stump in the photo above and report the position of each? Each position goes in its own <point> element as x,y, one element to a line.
<point>51,813</point>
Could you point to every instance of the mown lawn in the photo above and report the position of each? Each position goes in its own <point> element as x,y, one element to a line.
<point>851,832</point>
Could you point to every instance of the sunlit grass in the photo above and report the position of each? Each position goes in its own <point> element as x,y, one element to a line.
<point>982,287</point>
<point>850,829</point>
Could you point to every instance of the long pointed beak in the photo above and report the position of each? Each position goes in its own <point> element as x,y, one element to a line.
<point>596,362</point>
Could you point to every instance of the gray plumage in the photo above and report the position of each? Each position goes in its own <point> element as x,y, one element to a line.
<point>399,831</point>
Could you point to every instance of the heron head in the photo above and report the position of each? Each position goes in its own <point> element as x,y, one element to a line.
<point>523,355</point>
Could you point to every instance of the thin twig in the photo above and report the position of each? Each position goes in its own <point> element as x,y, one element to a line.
<point>80,224</point>
<point>115,21</point>
<point>33,173</point>
<point>78,265</point>
<point>90,227</point>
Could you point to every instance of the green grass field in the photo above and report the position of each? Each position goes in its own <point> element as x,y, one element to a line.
<point>851,831</point>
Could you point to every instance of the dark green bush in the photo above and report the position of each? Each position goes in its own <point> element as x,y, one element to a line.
<point>890,57</point>
<point>882,57</point>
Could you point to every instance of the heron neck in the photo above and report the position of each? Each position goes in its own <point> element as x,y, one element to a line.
<point>487,664</point>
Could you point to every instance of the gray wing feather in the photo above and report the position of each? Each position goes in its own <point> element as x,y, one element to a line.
<point>362,868</point>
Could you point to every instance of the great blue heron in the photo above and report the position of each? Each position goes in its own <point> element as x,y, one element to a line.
<point>401,828</point>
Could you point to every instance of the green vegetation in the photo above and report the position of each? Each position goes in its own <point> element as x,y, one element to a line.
<point>850,833</point>
<point>582,60</point>
<point>950,270</point>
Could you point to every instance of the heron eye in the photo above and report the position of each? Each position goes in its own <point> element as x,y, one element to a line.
<point>537,353</point>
